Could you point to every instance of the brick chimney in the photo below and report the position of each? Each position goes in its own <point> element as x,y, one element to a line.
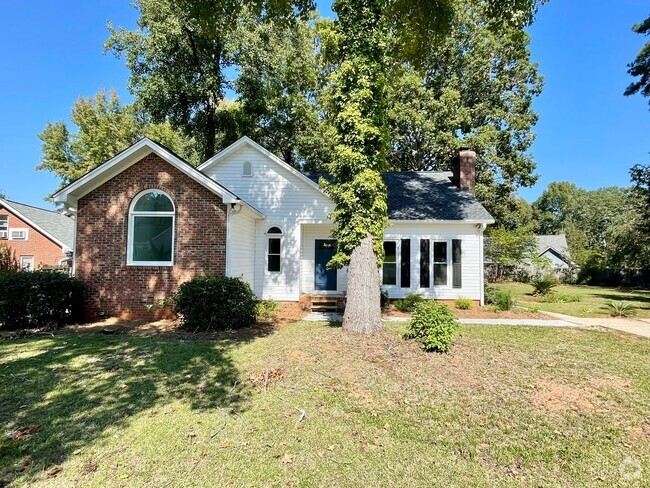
<point>464,169</point>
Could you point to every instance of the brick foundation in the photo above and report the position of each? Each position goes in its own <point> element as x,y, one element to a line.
<point>102,228</point>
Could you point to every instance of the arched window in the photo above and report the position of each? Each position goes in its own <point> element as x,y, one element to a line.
<point>151,230</point>
<point>247,169</point>
<point>274,250</point>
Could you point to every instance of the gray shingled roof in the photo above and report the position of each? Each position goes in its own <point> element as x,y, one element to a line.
<point>54,223</point>
<point>556,242</point>
<point>427,195</point>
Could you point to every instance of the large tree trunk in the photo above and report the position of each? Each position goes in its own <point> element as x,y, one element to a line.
<point>363,309</point>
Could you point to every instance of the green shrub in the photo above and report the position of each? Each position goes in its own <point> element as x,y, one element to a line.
<point>621,309</point>
<point>215,302</point>
<point>265,309</point>
<point>501,299</point>
<point>409,302</point>
<point>463,303</point>
<point>543,285</point>
<point>383,297</point>
<point>560,298</point>
<point>39,299</point>
<point>433,326</point>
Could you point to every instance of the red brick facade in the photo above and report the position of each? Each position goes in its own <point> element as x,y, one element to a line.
<point>102,229</point>
<point>45,251</point>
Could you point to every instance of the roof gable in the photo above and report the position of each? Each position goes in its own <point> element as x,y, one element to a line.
<point>247,141</point>
<point>104,172</point>
<point>53,225</point>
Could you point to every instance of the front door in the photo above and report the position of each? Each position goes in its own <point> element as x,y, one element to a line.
<point>324,279</point>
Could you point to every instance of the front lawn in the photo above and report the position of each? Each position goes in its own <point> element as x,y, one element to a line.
<point>306,405</point>
<point>593,300</point>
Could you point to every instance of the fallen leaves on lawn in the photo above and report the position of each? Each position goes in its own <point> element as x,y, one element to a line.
<point>89,466</point>
<point>54,471</point>
<point>25,432</point>
<point>287,459</point>
<point>263,379</point>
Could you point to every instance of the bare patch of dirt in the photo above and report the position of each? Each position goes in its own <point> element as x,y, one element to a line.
<point>289,312</point>
<point>559,397</point>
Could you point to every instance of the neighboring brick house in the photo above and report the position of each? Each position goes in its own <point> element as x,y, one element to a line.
<point>39,238</point>
<point>148,221</point>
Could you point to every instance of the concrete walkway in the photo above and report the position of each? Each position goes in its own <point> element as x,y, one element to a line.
<point>335,317</point>
<point>640,327</point>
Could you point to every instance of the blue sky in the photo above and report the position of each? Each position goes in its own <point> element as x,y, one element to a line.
<point>588,133</point>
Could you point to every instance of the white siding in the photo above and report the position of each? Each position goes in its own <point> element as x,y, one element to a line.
<point>307,256</point>
<point>287,201</point>
<point>471,266</point>
<point>242,246</point>
<point>300,211</point>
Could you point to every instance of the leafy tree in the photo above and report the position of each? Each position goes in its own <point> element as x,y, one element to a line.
<point>356,102</point>
<point>181,55</point>
<point>357,105</point>
<point>507,249</point>
<point>640,67</point>
<point>555,206</point>
<point>640,175</point>
<point>474,88</point>
<point>104,128</point>
<point>8,260</point>
<point>277,85</point>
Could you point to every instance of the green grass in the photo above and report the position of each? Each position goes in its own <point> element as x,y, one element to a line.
<point>593,300</point>
<point>507,406</point>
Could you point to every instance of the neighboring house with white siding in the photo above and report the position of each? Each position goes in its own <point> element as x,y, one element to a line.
<point>272,221</point>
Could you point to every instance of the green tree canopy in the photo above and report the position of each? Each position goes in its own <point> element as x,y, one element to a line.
<point>640,67</point>
<point>555,207</point>
<point>104,128</point>
<point>474,88</point>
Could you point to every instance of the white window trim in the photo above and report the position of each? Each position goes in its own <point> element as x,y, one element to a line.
<point>243,169</point>
<point>133,214</point>
<point>18,229</point>
<point>266,257</point>
<point>446,263</point>
<point>33,264</point>
<point>5,219</point>
<point>398,257</point>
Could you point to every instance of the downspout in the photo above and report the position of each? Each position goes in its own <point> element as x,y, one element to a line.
<point>74,239</point>
<point>228,220</point>
<point>233,208</point>
<point>482,228</point>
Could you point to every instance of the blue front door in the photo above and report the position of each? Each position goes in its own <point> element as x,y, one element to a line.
<point>324,279</point>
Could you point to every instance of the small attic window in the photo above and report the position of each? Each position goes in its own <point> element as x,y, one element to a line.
<point>247,169</point>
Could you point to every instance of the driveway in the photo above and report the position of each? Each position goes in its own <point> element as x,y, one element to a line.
<point>640,327</point>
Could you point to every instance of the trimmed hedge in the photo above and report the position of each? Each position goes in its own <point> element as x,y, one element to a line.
<point>215,302</point>
<point>39,299</point>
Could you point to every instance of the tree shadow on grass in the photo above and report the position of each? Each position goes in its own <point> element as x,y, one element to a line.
<point>75,386</point>
<point>627,296</point>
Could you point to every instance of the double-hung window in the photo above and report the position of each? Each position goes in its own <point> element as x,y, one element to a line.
<point>151,230</point>
<point>389,272</point>
<point>440,262</point>
<point>274,250</point>
<point>4,226</point>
